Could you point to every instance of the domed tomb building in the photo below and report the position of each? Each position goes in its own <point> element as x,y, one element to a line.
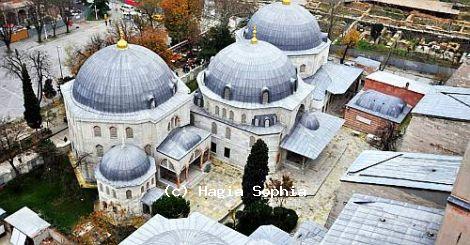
<point>126,94</point>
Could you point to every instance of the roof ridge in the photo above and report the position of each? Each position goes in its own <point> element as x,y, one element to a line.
<point>377,163</point>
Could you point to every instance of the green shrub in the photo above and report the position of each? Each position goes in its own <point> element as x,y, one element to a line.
<point>285,218</point>
<point>171,207</point>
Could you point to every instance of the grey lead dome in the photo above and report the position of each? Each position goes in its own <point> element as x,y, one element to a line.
<point>248,69</point>
<point>122,81</point>
<point>124,163</point>
<point>381,103</point>
<point>289,27</point>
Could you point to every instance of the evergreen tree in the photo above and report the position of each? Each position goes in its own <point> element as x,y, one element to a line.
<point>256,170</point>
<point>215,40</point>
<point>49,91</point>
<point>32,113</point>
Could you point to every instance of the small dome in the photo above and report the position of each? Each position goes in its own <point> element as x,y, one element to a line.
<point>310,121</point>
<point>381,103</point>
<point>186,237</point>
<point>247,70</point>
<point>124,163</point>
<point>123,80</point>
<point>289,27</point>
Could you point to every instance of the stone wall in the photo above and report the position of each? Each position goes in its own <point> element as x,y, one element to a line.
<point>435,135</point>
<point>363,122</point>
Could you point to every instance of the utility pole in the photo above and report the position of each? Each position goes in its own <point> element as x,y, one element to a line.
<point>60,63</point>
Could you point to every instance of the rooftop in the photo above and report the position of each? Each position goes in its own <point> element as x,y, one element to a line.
<point>310,233</point>
<point>447,102</point>
<point>427,5</point>
<point>374,220</point>
<point>461,77</point>
<point>181,141</point>
<point>272,234</point>
<point>404,169</point>
<point>27,222</point>
<point>399,81</point>
<point>367,62</point>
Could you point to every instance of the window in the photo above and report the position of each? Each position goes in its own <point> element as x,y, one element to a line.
<point>97,131</point>
<point>265,97</point>
<point>100,187</point>
<point>169,126</point>
<point>214,128</point>
<point>267,123</point>
<point>177,121</point>
<point>107,190</point>
<point>148,185</point>
<point>231,115</point>
<point>213,147</point>
<point>228,133</point>
<point>153,181</point>
<point>227,152</point>
<point>148,150</point>
<point>252,141</point>
<point>128,194</point>
<point>129,133</point>
<point>113,133</point>
<point>224,113</point>
<point>114,193</point>
<point>227,93</point>
<point>243,118</point>
<point>99,150</point>
<point>216,110</point>
<point>302,68</point>
<point>256,122</point>
<point>142,189</point>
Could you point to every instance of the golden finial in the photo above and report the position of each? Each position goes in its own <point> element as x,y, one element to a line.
<point>286,2</point>
<point>254,40</point>
<point>122,43</point>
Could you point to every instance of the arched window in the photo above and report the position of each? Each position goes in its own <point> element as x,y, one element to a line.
<point>217,110</point>
<point>129,133</point>
<point>107,190</point>
<point>113,132</point>
<point>252,141</point>
<point>302,68</point>
<point>97,131</point>
<point>169,126</point>
<point>267,123</point>
<point>142,189</point>
<point>228,133</point>
<point>231,115</point>
<point>128,194</point>
<point>114,193</point>
<point>99,150</point>
<point>224,113</point>
<point>148,150</point>
<point>153,181</point>
<point>243,118</point>
<point>265,97</point>
<point>214,128</point>
<point>177,121</point>
<point>148,185</point>
<point>256,122</point>
<point>227,93</point>
<point>100,186</point>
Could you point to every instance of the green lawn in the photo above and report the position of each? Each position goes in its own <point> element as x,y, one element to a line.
<point>46,197</point>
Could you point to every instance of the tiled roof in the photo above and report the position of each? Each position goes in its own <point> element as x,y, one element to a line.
<point>374,220</point>
<point>446,102</point>
<point>404,169</point>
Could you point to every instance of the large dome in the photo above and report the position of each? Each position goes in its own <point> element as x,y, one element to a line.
<point>289,27</point>
<point>247,70</point>
<point>124,163</point>
<point>123,80</point>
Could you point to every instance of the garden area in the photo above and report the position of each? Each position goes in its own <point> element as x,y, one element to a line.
<point>56,197</point>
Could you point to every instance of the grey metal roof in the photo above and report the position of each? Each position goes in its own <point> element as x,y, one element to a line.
<point>196,229</point>
<point>114,80</point>
<point>124,162</point>
<point>334,78</point>
<point>446,102</point>
<point>310,143</point>
<point>27,222</point>
<point>181,141</point>
<point>288,27</point>
<point>152,195</point>
<point>310,233</point>
<point>367,62</point>
<point>2,212</point>
<point>379,104</point>
<point>249,69</point>
<point>404,169</point>
<point>374,220</point>
<point>273,234</point>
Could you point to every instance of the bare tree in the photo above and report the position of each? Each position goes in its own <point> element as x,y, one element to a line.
<point>40,62</point>
<point>6,30</point>
<point>332,6</point>
<point>282,187</point>
<point>227,8</point>
<point>9,141</point>
<point>388,135</point>
<point>37,14</point>
<point>149,8</point>
<point>63,8</point>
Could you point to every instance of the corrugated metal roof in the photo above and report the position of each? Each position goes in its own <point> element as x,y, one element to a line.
<point>405,169</point>
<point>401,82</point>
<point>374,220</point>
<point>273,234</point>
<point>181,141</point>
<point>310,233</point>
<point>382,105</point>
<point>310,143</point>
<point>288,27</point>
<point>446,102</point>
<point>367,62</point>
<point>28,222</point>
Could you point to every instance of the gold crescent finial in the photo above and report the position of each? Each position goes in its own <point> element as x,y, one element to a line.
<point>122,43</point>
<point>254,40</point>
<point>286,2</point>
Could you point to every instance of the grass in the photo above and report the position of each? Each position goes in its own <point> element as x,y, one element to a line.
<point>47,198</point>
<point>192,85</point>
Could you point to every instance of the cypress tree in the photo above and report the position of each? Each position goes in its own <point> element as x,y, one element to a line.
<point>256,170</point>
<point>32,112</point>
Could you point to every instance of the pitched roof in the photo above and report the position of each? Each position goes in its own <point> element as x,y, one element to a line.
<point>309,142</point>
<point>273,234</point>
<point>446,102</point>
<point>404,169</point>
<point>374,220</point>
<point>367,62</point>
<point>181,141</point>
<point>401,82</point>
<point>152,195</point>
<point>27,222</point>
